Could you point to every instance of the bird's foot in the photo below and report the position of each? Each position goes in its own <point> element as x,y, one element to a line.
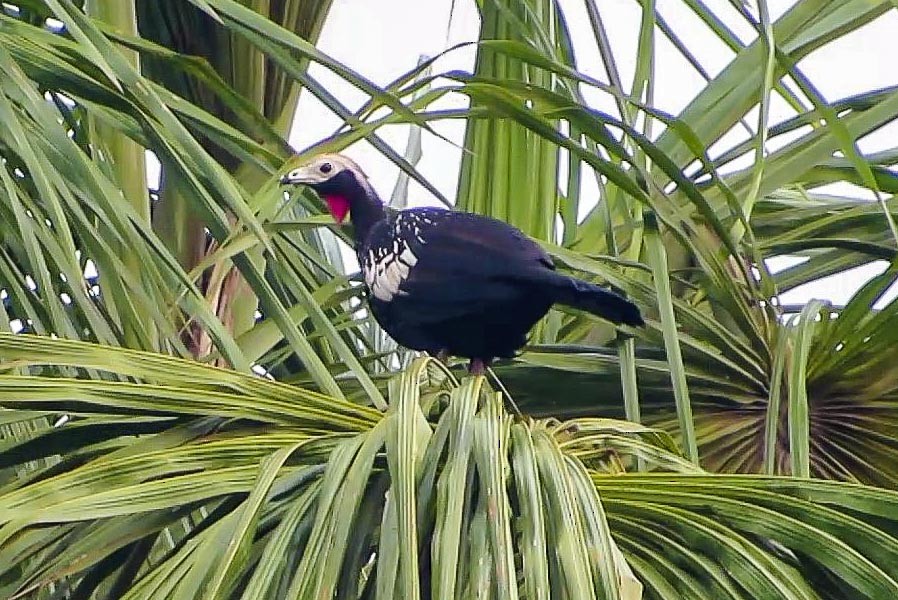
<point>443,356</point>
<point>478,366</point>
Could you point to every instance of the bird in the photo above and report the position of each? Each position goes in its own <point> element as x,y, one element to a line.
<point>447,282</point>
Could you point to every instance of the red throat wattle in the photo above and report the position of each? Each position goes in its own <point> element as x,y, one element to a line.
<point>339,206</point>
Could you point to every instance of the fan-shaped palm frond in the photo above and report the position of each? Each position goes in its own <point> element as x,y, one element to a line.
<point>282,492</point>
<point>148,460</point>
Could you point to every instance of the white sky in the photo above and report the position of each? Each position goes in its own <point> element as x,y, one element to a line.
<point>384,39</point>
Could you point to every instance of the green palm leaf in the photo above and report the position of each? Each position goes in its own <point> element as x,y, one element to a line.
<point>140,456</point>
<point>246,483</point>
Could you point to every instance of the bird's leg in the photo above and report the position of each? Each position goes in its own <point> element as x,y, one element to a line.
<point>478,366</point>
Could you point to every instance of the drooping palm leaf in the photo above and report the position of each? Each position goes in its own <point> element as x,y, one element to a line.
<point>279,509</point>
<point>128,474</point>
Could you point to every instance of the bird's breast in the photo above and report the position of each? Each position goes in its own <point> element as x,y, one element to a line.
<point>386,267</point>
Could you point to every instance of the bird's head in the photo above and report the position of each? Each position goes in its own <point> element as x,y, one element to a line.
<point>334,177</point>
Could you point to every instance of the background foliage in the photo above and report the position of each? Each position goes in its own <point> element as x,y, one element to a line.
<point>734,448</point>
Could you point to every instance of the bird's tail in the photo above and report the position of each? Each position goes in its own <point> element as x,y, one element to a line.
<point>591,298</point>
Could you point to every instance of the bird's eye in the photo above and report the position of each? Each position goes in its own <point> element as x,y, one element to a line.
<point>326,168</point>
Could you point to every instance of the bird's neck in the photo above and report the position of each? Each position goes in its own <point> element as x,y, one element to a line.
<point>365,207</point>
<point>365,210</point>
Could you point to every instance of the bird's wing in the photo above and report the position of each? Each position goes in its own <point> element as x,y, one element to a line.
<point>471,244</point>
<point>461,264</point>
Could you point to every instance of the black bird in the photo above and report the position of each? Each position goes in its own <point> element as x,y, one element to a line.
<point>448,282</point>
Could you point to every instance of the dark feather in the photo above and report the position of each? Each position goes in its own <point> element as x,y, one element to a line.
<point>477,285</point>
<point>452,282</point>
<point>586,296</point>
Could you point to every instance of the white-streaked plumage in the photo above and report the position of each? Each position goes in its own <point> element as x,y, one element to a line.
<point>386,268</point>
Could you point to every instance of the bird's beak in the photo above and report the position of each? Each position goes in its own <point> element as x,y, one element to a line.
<point>300,176</point>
